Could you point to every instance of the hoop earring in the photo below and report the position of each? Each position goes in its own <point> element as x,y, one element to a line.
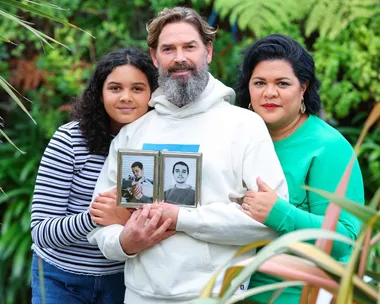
<point>250,107</point>
<point>303,107</point>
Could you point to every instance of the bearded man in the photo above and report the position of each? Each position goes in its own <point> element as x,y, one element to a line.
<point>170,258</point>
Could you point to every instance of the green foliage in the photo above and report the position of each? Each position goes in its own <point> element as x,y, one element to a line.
<point>328,17</point>
<point>348,66</point>
<point>18,175</point>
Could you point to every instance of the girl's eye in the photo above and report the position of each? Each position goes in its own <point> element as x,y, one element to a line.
<point>116,88</point>
<point>258,83</point>
<point>138,89</point>
<point>283,84</point>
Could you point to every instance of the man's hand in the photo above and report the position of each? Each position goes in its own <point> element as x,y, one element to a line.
<point>258,204</point>
<point>139,234</point>
<point>104,210</point>
<point>137,191</point>
<point>170,211</point>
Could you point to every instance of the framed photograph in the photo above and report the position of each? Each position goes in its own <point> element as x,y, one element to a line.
<point>137,177</point>
<point>180,178</point>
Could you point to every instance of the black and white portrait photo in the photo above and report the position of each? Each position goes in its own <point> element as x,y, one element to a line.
<point>137,177</point>
<point>180,178</point>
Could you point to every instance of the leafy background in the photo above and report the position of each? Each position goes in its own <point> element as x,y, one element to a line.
<point>342,35</point>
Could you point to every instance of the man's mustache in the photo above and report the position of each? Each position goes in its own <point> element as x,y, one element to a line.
<point>181,67</point>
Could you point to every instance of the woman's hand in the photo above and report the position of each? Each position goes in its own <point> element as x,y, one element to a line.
<point>104,210</point>
<point>258,204</point>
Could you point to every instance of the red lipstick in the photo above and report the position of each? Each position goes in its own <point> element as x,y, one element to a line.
<point>270,106</point>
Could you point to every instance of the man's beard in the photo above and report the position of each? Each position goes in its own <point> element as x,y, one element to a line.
<point>183,90</point>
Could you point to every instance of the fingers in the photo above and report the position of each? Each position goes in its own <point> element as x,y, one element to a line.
<point>135,215</point>
<point>131,210</point>
<point>95,212</point>
<point>159,232</point>
<point>245,208</point>
<point>248,199</point>
<point>250,193</point>
<point>263,187</point>
<point>107,200</point>
<point>108,194</point>
<point>154,219</point>
<point>143,215</point>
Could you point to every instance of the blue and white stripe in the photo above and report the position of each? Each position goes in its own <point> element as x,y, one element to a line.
<point>60,219</point>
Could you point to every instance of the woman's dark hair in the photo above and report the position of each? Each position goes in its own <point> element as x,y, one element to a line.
<point>89,109</point>
<point>280,47</point>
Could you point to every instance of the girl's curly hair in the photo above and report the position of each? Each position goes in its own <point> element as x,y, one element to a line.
<point>89,109</point>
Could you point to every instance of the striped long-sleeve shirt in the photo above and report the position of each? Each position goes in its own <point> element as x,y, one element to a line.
<point>60,218</point>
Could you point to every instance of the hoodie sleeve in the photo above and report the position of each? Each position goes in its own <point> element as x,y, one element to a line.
<point>224,223</point>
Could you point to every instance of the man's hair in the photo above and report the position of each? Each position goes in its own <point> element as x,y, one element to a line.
<point>182,164</point>
<point>137,164</point>
<point>175,15</point>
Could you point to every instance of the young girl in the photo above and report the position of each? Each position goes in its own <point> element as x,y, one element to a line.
<point>72,270</point>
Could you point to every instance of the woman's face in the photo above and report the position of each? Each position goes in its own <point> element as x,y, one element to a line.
<point>276,93</point>
<point>126,94</point>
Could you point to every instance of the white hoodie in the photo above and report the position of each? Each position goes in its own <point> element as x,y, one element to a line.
<point>236,149</point>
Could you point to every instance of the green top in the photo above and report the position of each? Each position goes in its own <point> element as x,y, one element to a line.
<point>316,155</point>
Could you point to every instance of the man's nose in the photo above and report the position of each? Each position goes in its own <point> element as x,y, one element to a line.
<point>180,56</point>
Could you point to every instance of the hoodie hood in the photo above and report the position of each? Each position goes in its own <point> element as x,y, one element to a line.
<point>214,93</point>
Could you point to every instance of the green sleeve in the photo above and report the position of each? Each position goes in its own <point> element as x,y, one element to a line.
<point>325,172</point>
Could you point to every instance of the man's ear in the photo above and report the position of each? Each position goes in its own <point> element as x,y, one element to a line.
<point>209,49</point>
<point>153,55</point>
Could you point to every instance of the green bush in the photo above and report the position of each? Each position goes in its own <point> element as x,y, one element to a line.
<point>348,66</point>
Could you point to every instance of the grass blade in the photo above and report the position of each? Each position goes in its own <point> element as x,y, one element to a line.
<point>279,246</point>
<point>8,88</point>
<point>37,11</point>
<point>364,213</point>
<point>43,37</point>
<point>207,290</point>
<point>261,289</point>
<point>12,143</point>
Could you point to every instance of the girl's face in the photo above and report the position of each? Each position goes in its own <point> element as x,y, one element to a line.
<point>276,93</point>
<point>126,93</point>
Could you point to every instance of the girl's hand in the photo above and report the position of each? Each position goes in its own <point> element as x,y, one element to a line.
<point>104,210</point>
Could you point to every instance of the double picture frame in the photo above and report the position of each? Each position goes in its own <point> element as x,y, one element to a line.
<point>145,177</point>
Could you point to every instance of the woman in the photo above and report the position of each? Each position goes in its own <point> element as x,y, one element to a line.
<point>278,82</point>
<point>73,270</point>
